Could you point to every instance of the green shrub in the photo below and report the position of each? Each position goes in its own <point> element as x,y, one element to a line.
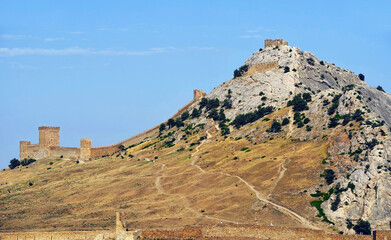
<point>185,115</point>
<point>14,163</point>
<point>335,105</point>
<point>275,127</point>
<point>380,88</point>
<point>162,127</point>
<point>239,72</point>
<point>307,97</point>
<point>171,123</point>
<point>298,103</point>
<point>224,129</point>
<point>333,122</point>
<point>285,121</point>
<point>329,176</point>
<point>310,61</point>
<point>361,77</point>
<point>286,69</point>
<point>334,205</point>
<point>363,227</point>
<point>243,119</point>
<point>26,161</point>
<point>227,104</point>
<point>196,113</point>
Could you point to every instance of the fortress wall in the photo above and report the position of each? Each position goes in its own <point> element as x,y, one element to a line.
<point>32,151</point>
<point>107,150</point>
<point>276,42</point>
<point>66,152</point>
<point>79,235</point>
<point>110,149</point>
<point>262,67</point>
<point>383,235</point>
<point>266,232</point>
<point>185,233</point>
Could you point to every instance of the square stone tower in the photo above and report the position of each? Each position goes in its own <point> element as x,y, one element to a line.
<point>85,149</point>
<point>49,137</point>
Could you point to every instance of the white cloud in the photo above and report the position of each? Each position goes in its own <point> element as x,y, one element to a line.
<point>54,39</point>
<point>76,33</point>
<point>16,65</point>
<point>13,52</point>
<point>11,37</point>
<point>256,36</point>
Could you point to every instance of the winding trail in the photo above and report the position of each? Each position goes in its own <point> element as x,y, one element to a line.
<point>281,173</point>
<point>260,197</point>
<point>160,189</point>
<point>290,126</point>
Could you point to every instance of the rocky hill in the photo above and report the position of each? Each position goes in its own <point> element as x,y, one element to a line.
<point>290,141</point>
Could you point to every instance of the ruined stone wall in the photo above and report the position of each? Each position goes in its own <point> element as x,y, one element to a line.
<point>49,136</point>
<point>198,94</point>
<point>79,235</point>
<point>262,67</point>
<point>267,232</point>
<point>253,232</point>
<point>275,43</point>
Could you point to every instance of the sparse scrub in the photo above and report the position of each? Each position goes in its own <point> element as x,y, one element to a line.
<point>298,103</point>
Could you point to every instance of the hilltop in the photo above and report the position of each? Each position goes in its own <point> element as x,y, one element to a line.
<point>290,141</point>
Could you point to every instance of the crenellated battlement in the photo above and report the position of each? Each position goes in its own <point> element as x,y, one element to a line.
<point>275,43</point>
<point>49,128</point>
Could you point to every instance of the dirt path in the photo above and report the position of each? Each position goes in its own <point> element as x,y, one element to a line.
<point>160,189</point>
<point>291,120</point>
<point>281,173</point>
<point>260,197</point>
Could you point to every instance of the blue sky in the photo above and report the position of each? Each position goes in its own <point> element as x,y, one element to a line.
<point>107,70</point>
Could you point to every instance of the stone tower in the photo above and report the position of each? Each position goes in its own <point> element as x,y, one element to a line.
<point>49,137</point>
<point>198,94</point>
<point>23,149</point>
<point>275,43</point>
<point>85,149</point>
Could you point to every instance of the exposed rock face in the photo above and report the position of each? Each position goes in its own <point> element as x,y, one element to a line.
<point>366,169</point>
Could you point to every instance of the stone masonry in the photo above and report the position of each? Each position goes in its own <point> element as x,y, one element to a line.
<point>49,142</point>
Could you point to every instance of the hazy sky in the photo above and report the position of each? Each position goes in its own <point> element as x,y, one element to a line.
<point>107,70</point>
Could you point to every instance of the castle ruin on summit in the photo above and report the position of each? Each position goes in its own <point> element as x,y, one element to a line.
<point>49,141</point>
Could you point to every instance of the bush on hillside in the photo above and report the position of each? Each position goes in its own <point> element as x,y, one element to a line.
<point>196,113</point>
<point>380,88</point>
<point>285,121</point>
<point>243,119</point>
<point>27,161</point>
<point>363,227</point>
<point>185,115</point>
<point>171,123</point>
<point>14,163</point>
<point>162,127</point>
<point>298,103</point>
<point>239,72</point>
<point>275,127</point>
<point>227,104</point>
<point>361,77</point>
